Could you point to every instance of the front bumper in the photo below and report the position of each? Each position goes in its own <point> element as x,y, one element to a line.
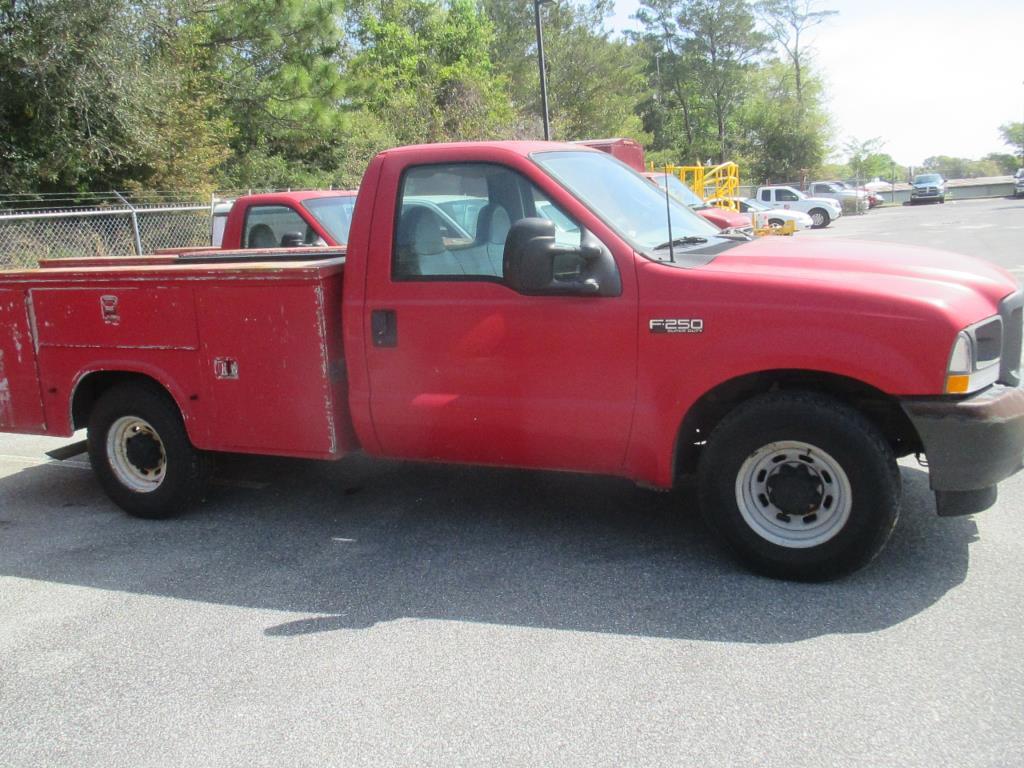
<point>971,443</point>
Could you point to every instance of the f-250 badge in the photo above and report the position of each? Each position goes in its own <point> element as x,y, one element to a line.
<point>677,325</point>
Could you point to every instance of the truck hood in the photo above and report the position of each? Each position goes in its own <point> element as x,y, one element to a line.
<point>899,274</point>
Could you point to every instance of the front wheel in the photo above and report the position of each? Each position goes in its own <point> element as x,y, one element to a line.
<point>799,486</point>
<point>819,218</point>
<point>141,454</point>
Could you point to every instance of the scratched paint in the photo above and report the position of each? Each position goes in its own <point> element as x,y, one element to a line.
<point>6,406</point>
<point>321,325</point>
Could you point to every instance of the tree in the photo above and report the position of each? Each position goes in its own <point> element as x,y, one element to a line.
<point>718,44</point>
<point>1005,163</point>
<point>863,157</point>
<point>790,21</point>
<point>1013,134</point>
<point>782,137</point>
<point>425,70</point>
<point>75,94</point>
<point>594,83</point>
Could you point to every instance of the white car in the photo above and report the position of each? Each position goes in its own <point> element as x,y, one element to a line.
<point>822,210</point>
<point>765,216</point>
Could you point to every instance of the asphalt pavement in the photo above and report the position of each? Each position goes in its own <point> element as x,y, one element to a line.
<point>382,613</point>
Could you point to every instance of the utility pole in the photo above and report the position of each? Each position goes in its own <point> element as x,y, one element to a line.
<point>540,62</point>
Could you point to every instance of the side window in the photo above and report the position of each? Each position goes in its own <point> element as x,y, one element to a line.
<point>275,226</point>
<point>453,221</point>
<point>786,195</point>
<point>766,195</point>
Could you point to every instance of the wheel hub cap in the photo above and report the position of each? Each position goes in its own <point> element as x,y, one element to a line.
<point>793,494</point>
<point>136,454</point>
<point>795,489</point>
<point>143,452</point>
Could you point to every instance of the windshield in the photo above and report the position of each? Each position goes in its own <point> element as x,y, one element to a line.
<point>678,190</point>
<point>626,201</point>
<point>927,178</point>
<point>333,214</point>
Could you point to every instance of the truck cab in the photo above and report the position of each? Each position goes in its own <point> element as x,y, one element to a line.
<point>822,210</point>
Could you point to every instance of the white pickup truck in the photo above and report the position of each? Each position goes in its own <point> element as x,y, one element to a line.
<point>821,209</point>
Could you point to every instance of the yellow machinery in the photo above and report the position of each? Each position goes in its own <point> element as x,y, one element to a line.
<point>720,182</point>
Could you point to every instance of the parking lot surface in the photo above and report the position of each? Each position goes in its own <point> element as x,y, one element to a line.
<point>381,613</point>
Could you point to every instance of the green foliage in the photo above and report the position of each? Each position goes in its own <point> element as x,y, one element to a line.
<point>785,138</point>
<point>711,49</point>
<point>790,22</point>
<point>1005,164</point>
<point>74,97</point>
<point>1013,135</point>
<point>594,83</point>
<point>964,168</point>
<point>424,69</point>
<point>215,94</point>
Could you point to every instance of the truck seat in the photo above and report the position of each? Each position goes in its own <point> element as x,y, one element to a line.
<point>421,249</point>
<point>261,236</point>
<point>492,226</point>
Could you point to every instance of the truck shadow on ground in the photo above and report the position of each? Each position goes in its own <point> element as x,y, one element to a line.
<point>349,545</point>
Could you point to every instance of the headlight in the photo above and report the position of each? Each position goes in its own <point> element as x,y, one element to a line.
<point>974,359</point>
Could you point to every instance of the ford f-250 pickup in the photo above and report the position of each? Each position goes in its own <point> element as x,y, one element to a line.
<point>583,324</point>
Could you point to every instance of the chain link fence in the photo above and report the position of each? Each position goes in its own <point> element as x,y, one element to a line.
<point>108,225</point>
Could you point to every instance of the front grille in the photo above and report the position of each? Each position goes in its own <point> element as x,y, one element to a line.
<point>990,341</point>
<point>1011,310</point>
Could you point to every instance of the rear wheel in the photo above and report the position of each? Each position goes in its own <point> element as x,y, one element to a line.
<point>819,218</point>
<point>140,451</point>
<point>799,486</point>
<point>775,223</point>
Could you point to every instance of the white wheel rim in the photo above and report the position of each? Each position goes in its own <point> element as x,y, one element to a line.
<point>139,467</point>
<point>822,502</point>
<point>818,218</point>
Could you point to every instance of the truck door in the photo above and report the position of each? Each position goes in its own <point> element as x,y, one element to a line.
<point>461,367</point>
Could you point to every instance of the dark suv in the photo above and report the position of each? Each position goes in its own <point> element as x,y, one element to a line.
<point>928,186</point>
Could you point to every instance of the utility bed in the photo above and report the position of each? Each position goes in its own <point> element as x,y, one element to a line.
<point>248,343</point>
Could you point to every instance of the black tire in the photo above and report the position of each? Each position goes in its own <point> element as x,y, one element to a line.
<point>775,222</point>
<point>819,217</point>
<point>174,473</point>
<point>942,200</point>
<point>867,472</point>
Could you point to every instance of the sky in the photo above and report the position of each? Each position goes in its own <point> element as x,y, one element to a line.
<point>928,77</point>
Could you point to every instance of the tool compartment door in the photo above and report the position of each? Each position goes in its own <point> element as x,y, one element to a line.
<point>271,357</point>
<point>21,405</point>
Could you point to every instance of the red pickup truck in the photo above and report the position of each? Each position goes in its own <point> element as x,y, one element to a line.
<point>560,325</point>
<point>279,220</point>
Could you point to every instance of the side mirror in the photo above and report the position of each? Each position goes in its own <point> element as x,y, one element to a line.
<point>535,265</point>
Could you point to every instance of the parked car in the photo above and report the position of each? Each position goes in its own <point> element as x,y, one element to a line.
<point>852,200</point>
<point>822,210</point>
<point>927,186</point>
<point>723,218</point>
<point>1018,183</point>
<point>765,216</point>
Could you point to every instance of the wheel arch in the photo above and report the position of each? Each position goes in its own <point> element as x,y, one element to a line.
<point>92,384</point>
<point>881,409</point>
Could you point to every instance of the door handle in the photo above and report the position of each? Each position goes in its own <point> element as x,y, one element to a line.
<point>384,327</point>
